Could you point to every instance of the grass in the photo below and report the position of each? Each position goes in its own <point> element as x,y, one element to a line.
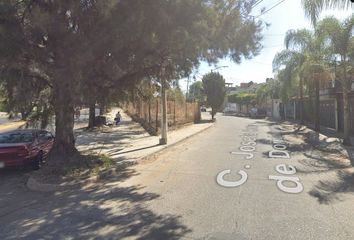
<point>80,168</point>
<point>90,165</point>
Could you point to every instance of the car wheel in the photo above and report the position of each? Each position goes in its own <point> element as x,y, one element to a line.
<point>37,164</point>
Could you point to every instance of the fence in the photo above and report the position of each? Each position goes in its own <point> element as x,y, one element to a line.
<point>148,113</point>
<point>331,112</point>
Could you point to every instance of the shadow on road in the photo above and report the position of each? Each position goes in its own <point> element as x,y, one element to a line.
<point>104,210</point>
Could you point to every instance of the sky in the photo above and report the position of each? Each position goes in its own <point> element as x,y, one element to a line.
<point>287,15</point>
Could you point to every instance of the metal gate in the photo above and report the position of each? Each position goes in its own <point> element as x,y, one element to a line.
<point>328,113</point>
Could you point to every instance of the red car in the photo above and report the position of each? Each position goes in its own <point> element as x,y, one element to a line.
<point>20,148</point>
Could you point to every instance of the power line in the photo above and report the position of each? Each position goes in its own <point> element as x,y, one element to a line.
<point>274,46</point>
<point>274,35</point>
<point>268,64</point>
<point>277,4</point>
<point>254,5</point>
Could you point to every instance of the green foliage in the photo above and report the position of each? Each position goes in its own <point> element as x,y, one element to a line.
<point>64,53</point>
<point>243,98</point>
<point>313,8</point>
<point>269,89</point>
<point>214,88</point>
<point>175,94</point>
<point>305,54</point>
<point>2,105</point>
<point>340,40</point>
<point>196,92</point>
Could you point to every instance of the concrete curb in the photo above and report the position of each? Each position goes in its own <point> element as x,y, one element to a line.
<point>158,152</point>
<point>33,185</point>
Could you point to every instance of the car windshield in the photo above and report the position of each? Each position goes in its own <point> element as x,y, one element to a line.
<point>16,138</point>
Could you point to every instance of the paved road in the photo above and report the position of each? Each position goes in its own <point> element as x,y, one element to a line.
<point>177,196</point>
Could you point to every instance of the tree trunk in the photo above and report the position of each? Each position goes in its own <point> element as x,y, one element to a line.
<point>102,108</point>
<point>24,115</point>
<point>212,113</point>
<point>64,143</point>
<point>45,117</point>
<point>92,115</point>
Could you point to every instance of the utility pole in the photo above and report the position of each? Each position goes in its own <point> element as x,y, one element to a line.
<point>163,139</point>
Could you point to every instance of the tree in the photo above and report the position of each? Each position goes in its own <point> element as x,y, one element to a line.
<point>270,89</point>
<point>20,78</point>
<point>302,59</point>
<point>175,94</point>
<point>243,99</point>
<point>313,8</point>
<point>339,35</point>
<point>293,59</point>
<point>76,44</point>
<point>214,87</point>
<point>196,92</point>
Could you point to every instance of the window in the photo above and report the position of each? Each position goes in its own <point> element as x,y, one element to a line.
<point>16,138</point>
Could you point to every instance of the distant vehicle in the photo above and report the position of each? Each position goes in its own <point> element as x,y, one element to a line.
<point>230,109</point>
<point>257,113</point>
<point>203,109</point>
<point>20,148</point>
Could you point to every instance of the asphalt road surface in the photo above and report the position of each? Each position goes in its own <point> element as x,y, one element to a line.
<point>237,180</point>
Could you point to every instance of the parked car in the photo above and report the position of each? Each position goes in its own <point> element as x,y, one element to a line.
<point>20,148</point>
<point>257,113</point>
<point>203,109</point>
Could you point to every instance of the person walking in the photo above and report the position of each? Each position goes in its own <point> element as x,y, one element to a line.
<point>118,118</point>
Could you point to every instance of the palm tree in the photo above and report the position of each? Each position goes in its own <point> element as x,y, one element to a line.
<point>302,50</point>
<point>313,8</point>
<point>293,62</point>
<point>341,42</point>
<point>302,58</point>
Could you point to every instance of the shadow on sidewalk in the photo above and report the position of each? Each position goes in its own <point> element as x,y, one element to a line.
<point>204,121</point>
<point>323,156</point>
<point>329,191</point>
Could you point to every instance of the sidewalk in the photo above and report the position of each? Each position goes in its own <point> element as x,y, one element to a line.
<point>13,124</point>
<point>129,142</point>
<point>327,141</point>
<point>9,124</point>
